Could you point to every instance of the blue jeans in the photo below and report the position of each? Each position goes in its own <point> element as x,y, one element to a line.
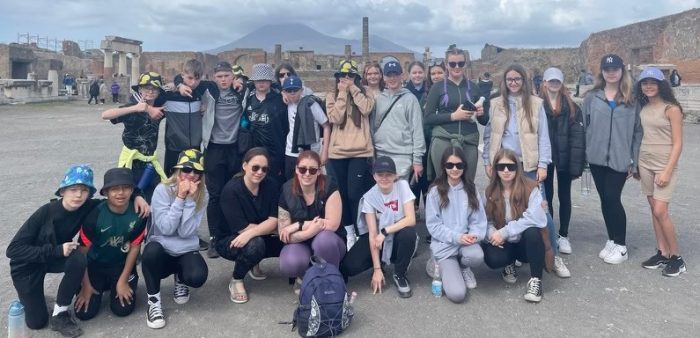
<point>550,221</point>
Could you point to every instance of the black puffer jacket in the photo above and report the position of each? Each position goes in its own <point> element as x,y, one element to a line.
<point>568,139</point>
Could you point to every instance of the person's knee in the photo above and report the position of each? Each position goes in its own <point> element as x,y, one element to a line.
<point>659,210</point>
<point>151,253</point>
<point>93,308</point>
<point>36,318</point>
<point>326,243</point>
<point>532,235</point>
<point>406,234</point>
<point>476,256</point>
<point>456,294</point>
<point>294,260</point>
<point>195,277</point>
<point>120,310</point>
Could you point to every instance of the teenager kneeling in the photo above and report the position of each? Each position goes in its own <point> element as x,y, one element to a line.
<point>172,246</point>
<point>516,217</point>
<point>386,222</point>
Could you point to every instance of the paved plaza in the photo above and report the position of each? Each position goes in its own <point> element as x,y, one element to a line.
<point>39,141</point>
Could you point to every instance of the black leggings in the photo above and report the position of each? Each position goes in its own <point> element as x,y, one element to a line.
<point>29,284</point>
<point>564,192</point>
<point>156,264</point>
<point>529,249</point>
<point>609,184</point>
<point>251,254</point>
<point>354,179</point>
<point>359,258</point>
<point>220,164</point>
<point>103,279</point>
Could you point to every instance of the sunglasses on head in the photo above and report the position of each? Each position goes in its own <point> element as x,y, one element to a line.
<point>504,166</point>
<point>188,170</point>
<point>459,64</point>
<point>311,170</point>
<point>452,165</point>
<point>257,168</point>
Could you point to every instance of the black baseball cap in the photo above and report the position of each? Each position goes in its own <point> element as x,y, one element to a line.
<point>611,61</point>
<point>384,164</point>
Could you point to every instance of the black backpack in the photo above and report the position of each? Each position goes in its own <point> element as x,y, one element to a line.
<point>324,305</point>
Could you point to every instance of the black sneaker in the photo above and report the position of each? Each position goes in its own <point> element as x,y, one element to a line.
<point>211,252</point>
<point>154,316</point>
<point>65,324</point>
<point>203,245</point>
<point>655,261</point>
<point>534,290</point>
<point>509,274</point>
<point>403,286</point>
<point>674,267</point>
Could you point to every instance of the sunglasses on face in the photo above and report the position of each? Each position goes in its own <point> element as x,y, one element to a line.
<point>459,64</point>
<point>310,170</point>
<point>257,168</point>
<point>188,170</point>
<point>349,75</point>
<point>285,74</point>
<point>452,165</point>
<point>504,166</point>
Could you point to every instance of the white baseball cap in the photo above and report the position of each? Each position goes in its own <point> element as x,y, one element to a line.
<point>553,74</point>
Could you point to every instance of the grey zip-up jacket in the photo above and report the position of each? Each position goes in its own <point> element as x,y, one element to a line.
<point>449,224</point>
<point>175,221</point>
<point>613,136</point>
<point>401,133</point>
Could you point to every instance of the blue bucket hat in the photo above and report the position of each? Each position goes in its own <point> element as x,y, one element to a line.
<point>78,174</point>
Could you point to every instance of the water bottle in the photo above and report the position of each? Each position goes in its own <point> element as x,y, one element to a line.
<point>146,177</point>
<point>16,327</point>
<point>436,286</point>
<point>586,181</point>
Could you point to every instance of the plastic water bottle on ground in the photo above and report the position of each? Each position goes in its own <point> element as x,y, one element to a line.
<point>436,286</point>
<point>586,181</point>
<point>16,327</point>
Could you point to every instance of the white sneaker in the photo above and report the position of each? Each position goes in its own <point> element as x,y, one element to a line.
<point>351,238</point>
<point>564,245</point>
<point>617,255</point>
<point>560,268</point>
<point>469,278</point>
<point>607,249</point>
<point>518,263</point>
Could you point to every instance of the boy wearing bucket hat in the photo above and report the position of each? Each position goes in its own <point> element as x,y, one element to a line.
<point>267,115</point>
<point>111,236</point>
<point>141,119</point>
<point>44,244</point>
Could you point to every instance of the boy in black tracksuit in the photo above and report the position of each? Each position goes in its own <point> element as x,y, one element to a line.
<point>111,236</point>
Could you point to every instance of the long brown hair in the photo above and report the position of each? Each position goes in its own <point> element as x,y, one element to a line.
<point>525,92</point>
<point>625,87</point>
<point>320,179</point>
<point>562,95</point>
<point>373,64</point>
<point>201,188</point>
<point>519,195</point>
<point>443,187</point>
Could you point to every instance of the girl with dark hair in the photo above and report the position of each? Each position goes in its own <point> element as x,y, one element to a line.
<point>568,140</point>
<point>285,70</point>
<point>448,116</point>
<point>249,202</point>
<point>456,220</point>
<point>373,79</point>
<point>516,217</point>
<point>436,73</point>
<point>662,121</point>
<point>416,81</point>
<point>351,146</point>
<point>613,137</point>
<point>309,215</point>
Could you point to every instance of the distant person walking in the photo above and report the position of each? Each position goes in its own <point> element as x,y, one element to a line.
<point>69,82</point>
<point>94,91</point>
<point>675,78</point>
<point>115,92</point>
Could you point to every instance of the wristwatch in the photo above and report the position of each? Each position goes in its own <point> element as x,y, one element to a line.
<point>383,231</point>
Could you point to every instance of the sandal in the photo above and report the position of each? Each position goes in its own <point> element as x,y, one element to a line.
<point>256,273</point>
<point>235,287</point>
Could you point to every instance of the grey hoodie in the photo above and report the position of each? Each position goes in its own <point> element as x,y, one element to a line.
<point>175,221</point>
<point>533,216</point>
<point>401,133</point>
<point>449,224</point>
<point>613,137</point>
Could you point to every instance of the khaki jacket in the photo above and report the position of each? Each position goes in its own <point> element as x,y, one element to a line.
<point>528,138</point>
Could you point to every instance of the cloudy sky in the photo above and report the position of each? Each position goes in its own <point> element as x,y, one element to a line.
<point>173,25</point>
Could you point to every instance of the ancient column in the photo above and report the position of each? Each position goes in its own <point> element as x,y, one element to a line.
<point>53,77</point>
<point>365,40</point>
<point>122,64</point>
<point>135,68</point>
<point>109,65</point>
<point>278,55</point>
<point>348,52</point>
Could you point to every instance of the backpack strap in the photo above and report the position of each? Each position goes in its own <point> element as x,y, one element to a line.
<point>389,110</point>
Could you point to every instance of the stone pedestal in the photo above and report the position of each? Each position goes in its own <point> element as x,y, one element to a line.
<point>53,77</point>
<point>122,64</point>
<point>135,69</point>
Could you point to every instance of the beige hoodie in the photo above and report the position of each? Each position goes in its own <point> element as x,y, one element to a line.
<point>350,141</point>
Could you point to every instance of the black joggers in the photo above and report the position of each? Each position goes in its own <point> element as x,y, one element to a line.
<point>609,184</point>
<point>564,193</point>
<point>530,249</point>
<point>156,264</point>
<point>359,258</point>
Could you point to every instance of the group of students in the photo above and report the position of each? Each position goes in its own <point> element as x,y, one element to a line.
<point>291,177</point>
